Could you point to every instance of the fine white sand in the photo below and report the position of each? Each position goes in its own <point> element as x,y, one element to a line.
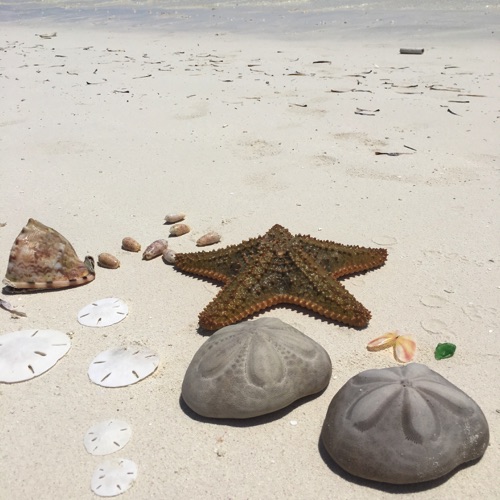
<point>105,130</point>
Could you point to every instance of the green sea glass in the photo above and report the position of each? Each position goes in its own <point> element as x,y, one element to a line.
<point>445,350</point>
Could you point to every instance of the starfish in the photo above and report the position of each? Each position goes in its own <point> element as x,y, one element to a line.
<point>280,268</point>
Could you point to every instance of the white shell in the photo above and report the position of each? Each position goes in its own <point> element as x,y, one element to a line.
<point>171,218</point>
<point>107,437</point>
<point>122,366</point>
<point>104,312</point>
<point>113,477</point>
<point>26,354</point>
<point>169,256</point>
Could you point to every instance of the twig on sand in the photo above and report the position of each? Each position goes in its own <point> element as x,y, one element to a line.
<point>391,154</point>
<point>366,112</point>
<point>411,51</point>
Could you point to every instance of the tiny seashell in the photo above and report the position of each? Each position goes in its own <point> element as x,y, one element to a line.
<point>383,342</point>
<point>171,218</point>
<point>169,256</point>
<point>404,346</point>
<point>179,229</point>
<point>404,349</point>
<point>155,249</point>
<point>131,245</point>
<point>107,260</point>
<point>208,239</point>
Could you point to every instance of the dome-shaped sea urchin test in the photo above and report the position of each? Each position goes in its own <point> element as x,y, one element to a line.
<point>403,425</point>
<point>253,368</point>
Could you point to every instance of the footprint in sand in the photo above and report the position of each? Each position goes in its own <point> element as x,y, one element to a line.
<point>385,241</point>
<point>433,301</point>
<point>258,148</point>
<point>480,314</point>
<point>437,327</point>
<point>195,110</point>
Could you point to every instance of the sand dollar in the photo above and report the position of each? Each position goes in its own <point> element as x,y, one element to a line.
<point>107,437</point>
<point>253,368</point>
<point>403,425</point>
<point>122,366</point>
<point>26,354</point>
<point>114,477</point>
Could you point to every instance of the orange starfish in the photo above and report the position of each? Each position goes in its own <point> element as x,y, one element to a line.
<point>279,268</point>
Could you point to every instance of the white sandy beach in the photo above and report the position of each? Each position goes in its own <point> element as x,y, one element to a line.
<point>106,129</point>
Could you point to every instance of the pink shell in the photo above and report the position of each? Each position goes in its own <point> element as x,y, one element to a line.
<point>208,239</point>
<point>404,349</point>
<point>155,249</point>
<point>382,342</point>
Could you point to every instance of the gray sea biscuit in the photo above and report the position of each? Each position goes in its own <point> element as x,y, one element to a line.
<point>403,425</point>
<point>253,368</point>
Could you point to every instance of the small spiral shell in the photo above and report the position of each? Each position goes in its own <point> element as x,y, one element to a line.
<point>131,245</point>
<point>171,218</point>
<point>179,229</point>
<point>169,256</point>
<point>108,261</point>
<point>208,239</point>
<point>155,249</point>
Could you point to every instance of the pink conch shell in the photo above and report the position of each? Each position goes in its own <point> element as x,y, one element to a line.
<point>42,258</point>
<point>404,346</point>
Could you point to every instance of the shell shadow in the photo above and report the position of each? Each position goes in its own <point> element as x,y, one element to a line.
<point>249,422</point>
<point>396,489</point>
<point>10,290</point>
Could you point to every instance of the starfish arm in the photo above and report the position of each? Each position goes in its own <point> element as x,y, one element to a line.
<point>341,260</point>
<point>221,265</point>
<point>277,278</point>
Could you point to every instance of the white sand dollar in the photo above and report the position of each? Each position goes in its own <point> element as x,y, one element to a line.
<point>123,366</point>
<point>28,353</point>
<point>104,312</point>
<point>107,437</point>
<point>113,477</point>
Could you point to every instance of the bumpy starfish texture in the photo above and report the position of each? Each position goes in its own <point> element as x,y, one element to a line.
<point>279,268</point>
